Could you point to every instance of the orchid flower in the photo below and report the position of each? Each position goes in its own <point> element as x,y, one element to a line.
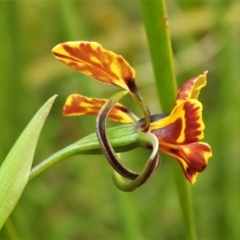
<point>177,133</point>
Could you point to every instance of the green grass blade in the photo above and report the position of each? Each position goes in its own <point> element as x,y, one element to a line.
<point>16,167</point>
<point>157,31</point>
<point>158,36</point>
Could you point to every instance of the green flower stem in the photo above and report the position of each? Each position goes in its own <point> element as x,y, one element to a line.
<point>157,31</point>
<point>123,138</point>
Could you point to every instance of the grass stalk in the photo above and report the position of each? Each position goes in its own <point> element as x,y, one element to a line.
<point>10,230</point>
<point>11,85</point>
<point>128,215</point>
<point>158,36</point>
<point>157,30</point>
<point>228,91</point>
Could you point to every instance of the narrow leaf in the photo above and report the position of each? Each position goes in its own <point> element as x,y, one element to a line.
<point>14,171</point>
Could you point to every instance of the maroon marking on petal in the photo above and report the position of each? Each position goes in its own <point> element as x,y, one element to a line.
<point>121,108</point>
<point>174,151</point>
<point>202,148</point>
<point>197,162</point>
<point>195,157</point>
<point>190,173</point>
<point>131,85</point>
<point>192,130</point>
<point>126,72</point>
<point>74,65</point>
<point>186,89</point>
<point>61,56</point>
<point>74,107</point>
<point>85,52</point>
<point>169,133</point>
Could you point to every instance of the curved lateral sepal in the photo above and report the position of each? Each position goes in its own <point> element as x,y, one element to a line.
<point>104,143</point>
<point>146,139</point>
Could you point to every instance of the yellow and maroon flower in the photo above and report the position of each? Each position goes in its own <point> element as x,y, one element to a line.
<point>178,133</point>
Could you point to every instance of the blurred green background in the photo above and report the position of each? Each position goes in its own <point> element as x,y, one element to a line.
<point>77,199</point>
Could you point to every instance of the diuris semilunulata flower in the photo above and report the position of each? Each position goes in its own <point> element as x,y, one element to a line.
<point>178,133</point>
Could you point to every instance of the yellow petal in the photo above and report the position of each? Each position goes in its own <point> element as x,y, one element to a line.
<point>184,124</point>
<point>193,157</point>
<point>96,62</point>
<point>77,105</point>
<point>191,88</point>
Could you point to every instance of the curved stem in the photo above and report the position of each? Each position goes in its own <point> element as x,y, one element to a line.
<point>123,138</point>
<point>53,159</point>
